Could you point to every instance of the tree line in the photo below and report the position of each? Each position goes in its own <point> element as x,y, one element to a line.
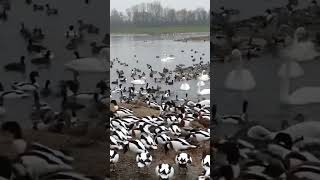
<point>154,14</point>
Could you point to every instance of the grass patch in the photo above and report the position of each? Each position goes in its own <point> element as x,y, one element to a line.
<point>160,30</point>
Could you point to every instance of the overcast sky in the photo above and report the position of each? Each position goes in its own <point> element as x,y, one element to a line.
<point>122,5</point>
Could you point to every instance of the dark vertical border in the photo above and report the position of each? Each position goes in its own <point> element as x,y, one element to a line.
<point>108,91</point>
<point>212,102</point>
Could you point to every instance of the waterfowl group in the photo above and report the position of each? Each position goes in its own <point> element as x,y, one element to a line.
<point>259,149</point>
<point>34,160</point>
<point>178,130</point>
<point>51,103</point>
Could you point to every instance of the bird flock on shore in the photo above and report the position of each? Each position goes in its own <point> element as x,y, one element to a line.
<point>182,128</point>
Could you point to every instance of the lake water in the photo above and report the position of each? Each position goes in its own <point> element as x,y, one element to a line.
<point>147,47</point>
<point>13,46</point>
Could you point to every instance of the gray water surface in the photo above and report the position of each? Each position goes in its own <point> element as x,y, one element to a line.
<point>13,46</point>
<point>147,47</point>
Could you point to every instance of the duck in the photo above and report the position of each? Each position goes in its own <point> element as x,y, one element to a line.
<point>205,162</point>
<point>162,139</point>
<point>120,112</point>
<point>199,135</point>
<point>37,7</point>
<point>183,160</point>
<point>114,158</point>
<point>35,156</point>
<point>148,141</point>
<point>178,144</point>
<point>71,33</point>
<point>43,59</point>
<point>16,66</point>
<point>27,86</point>
<point>34,47</point>
<point>164,171</point>
<point>307,170</point>
<point>234,118</point>
<point>175,130</point>
<point>95,49</point>
<point>136,146</point>
<point>67,175</point>
<point>114,144</point>
<point>51,11</point>
<point>46,91</point>
<point>12,93</point>
<point>153,105</point>
<point>143,159</point>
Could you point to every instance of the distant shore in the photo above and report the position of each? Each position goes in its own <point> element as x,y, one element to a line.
<point>160,30</point>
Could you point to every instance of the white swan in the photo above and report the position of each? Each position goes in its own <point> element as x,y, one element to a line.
<point>203,77</point>
<point>138,82</point>
<point>200,83</point>
<point>88,65</point>
<point>202,92</point>
<point>295,70</point>
<point>301,50</point>
<point>167,58</point>
<point>240,78</point>
<point>184,86</point>
<point>301,96</point>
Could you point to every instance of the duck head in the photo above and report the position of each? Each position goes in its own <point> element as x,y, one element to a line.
<point>167,147</point>
<point>284,140</point>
